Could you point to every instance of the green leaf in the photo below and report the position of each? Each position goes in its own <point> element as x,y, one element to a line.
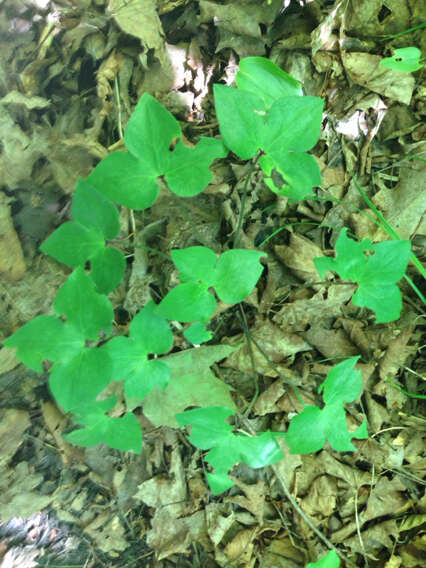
<point>377,290</point>
<point>151,332</point>
<point>197,333</point>
<point>187,302</point>
<point>208,425</point>
<point>258,451</point>
<point>76,381</point>
<point>234,276</point>
<point>309,430</point>
<point>73,244</point>
<point>376,274</point>
<point>85,309</point>
<point>195,264</point>
<point>131,365</point>
<point>150,132</point>
<point>335,425</point>
<point>237,273</point>
<point>241,117</point>
<point>188,172</point>
<point>126,180</point>
<point>107,269</point>
<point>148,374</point>
<point>131,178</point>
<point>265,79</point>
<point>192,384</point>
<point>293,123</point>
<point>350,262</point>
<point>122,433</point>
<point>404,59</point>
<point>45,338</point>
<point>343,382</point>
<point>385,300</point>
<point>91,209</point>
<point>331,560</point>
<point>300,172</point>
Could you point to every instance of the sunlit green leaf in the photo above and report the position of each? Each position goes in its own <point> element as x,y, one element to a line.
<point>376,272</point>
<point>85,309</point>
<point>265,79</point>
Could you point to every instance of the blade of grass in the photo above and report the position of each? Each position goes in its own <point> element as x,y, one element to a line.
<point>397,387</point>
<point>413,29</point>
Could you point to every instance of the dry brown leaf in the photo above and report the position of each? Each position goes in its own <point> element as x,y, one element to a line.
<point>325,303</point>
<point>241,547</point>
<point>277,344</point>
<point>299,255</point>
<point>56,423</point>
<point>322,497</point>
<point>167,538</point>
<point>254,501</point>
<point>164,490</point>
<point>12,264</point>
<point>364,69</point>
<point>330,342</point>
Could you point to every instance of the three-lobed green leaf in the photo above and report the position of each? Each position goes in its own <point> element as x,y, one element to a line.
<point>149,333</point>
<point>131,178</point>
<point>209,429</point>
<point>376,273</point>
<point>271,115</point>
<point>309,430</point>
<point>48,338</point>
<point>96,220</point>
<point>233,276</point>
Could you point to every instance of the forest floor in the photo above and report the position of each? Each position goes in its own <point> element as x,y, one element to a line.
<point>71,73</point>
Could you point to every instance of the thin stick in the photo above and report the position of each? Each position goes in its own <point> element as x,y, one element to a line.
<point>297,507</point>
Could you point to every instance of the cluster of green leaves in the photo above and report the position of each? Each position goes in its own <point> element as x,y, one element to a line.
<point>268,112</point>
<point>307,433</point>
<point>211,431</point>
<point>267,116</point>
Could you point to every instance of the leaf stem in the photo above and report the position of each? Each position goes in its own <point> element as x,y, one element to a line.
<point>187,214</point>
<point>252,362</point>
<point>413,29</point>
<point>244,198</point>
<point>397,387</point>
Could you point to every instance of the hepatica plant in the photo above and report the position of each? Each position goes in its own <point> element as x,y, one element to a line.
<point>268,113</point>
<point>266,118</point>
